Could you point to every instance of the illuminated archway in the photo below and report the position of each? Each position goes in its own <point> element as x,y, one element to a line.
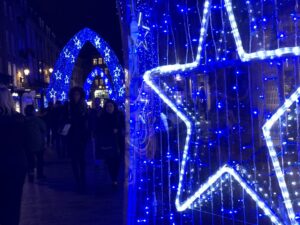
<point>60,79</point>
<point>98,72</point>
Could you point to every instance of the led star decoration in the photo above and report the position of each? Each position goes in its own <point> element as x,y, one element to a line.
<point>58,75</point>
<point>117,72</point>
<point>143,42</point>
<point>77,43</point>
<point>63,96</point>
<point>72,59</point>
<point>97,42</point>
<point>60,80</point>
<point>94,74</point>
<point>182,114</point>
<point>67,53</point>
<point>52,93</point>
<point>66,80</point>
<point>107,54</point>
<point>272,152</point>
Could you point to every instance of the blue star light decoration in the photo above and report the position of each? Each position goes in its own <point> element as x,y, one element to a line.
<point>98,72</point>
<point>182,114</point>
<point>146,32</point>
<point>60,79</point>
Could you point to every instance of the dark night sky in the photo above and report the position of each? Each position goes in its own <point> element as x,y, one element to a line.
<point>67,17</point>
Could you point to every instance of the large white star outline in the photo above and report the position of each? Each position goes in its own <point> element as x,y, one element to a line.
<point>226,169</point>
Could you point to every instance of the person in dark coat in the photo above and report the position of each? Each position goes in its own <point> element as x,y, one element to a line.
<point>48,118</point>
<point>121,133</point>
<point>57,115</point>
<point>13,163</point>
<point>107,133</point>
<point>35,142</point>
<point>77,135</point>
<point>93,114</point>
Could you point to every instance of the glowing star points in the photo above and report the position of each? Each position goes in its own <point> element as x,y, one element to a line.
<point>52,93</point>
<point>67,53</point>
<point>58,75</point>
<point>66,79</point>
<point>77,42</point>
<point>142,40</point>
<point>121,91</point>
<point>72,59</point>
<point>94,74</point>
<point>97,42</point>
<point>226,169</point>
<point>107,54</point>
<point>117,72</point>
<point>63,96</point>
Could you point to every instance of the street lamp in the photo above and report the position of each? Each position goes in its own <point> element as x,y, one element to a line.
<point>26,72</point>
<point>50,70</point>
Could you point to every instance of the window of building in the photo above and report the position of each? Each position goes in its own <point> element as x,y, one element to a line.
<point>106,71</point>
<point>9,68</point>
<point>95,62</point>
<point>100,61</point>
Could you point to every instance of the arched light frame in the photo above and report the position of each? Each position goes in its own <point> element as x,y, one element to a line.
<point>60,79</point>
<point>98,72</point>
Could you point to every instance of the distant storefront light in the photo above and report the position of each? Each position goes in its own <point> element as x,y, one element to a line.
<point>26,72</point>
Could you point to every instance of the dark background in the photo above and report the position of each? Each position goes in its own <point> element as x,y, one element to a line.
<point>67,17</point>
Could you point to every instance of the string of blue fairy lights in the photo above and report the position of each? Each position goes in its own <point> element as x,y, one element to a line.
<point>247,76</point>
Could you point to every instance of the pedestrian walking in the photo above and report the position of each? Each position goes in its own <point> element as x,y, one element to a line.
<point>94,112</point>
<point>57,115</point>
<point>13,163</point>
<point>48,118</point>
<point>108,130</point>
<point>76,130</point>
<point>35,135</point>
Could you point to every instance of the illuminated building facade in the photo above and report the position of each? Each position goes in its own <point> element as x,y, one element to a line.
<point>28,50</point>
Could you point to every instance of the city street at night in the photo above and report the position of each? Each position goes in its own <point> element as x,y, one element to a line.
<point>149,112</point>
<point>55,201</point>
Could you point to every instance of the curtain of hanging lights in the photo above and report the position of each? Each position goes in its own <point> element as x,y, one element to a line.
<point>215,114</point>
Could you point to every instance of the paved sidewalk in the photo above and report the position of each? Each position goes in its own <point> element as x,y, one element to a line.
<point>55,201</point>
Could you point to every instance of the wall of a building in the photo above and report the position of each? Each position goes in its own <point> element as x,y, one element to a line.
<point>26,42</point>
